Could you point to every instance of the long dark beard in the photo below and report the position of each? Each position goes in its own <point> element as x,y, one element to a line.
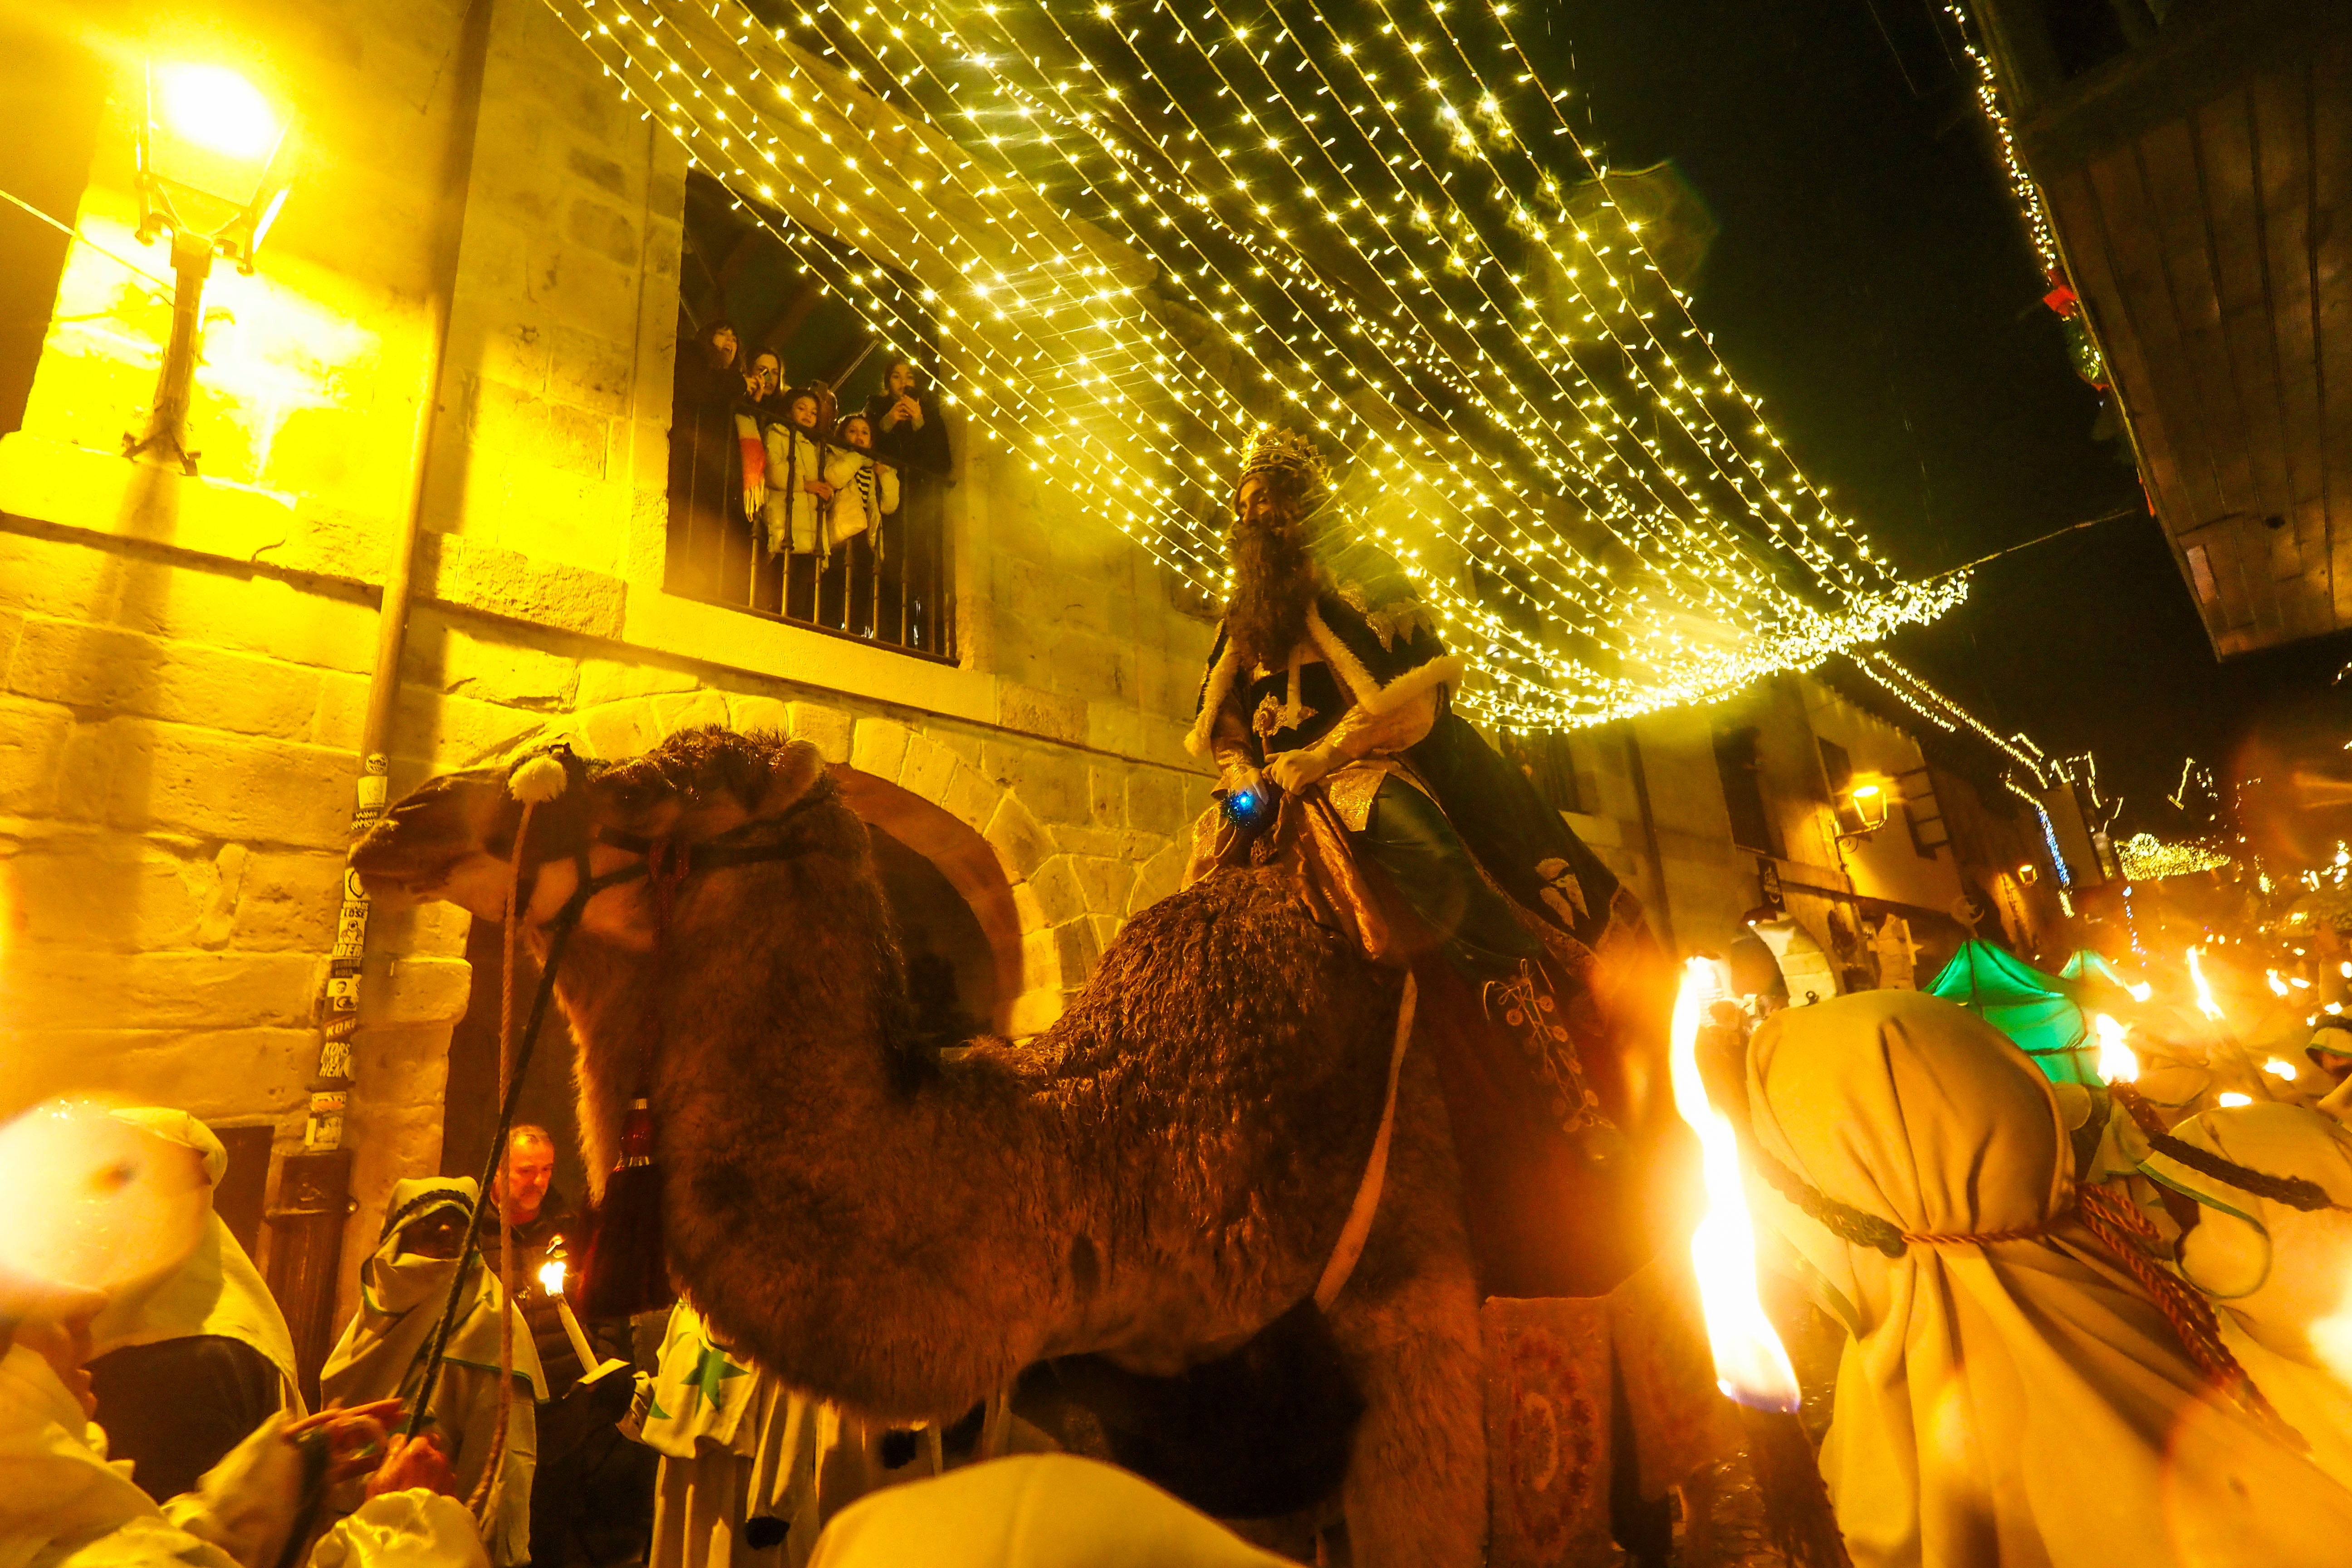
<point>1274,585</point>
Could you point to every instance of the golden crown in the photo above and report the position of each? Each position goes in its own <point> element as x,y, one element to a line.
<point>1285,452</point>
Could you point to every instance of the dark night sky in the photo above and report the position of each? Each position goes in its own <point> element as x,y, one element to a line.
<point>1873,283</point>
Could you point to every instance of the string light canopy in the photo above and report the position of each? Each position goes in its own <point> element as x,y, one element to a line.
<point>1136,235</point>
<point>2146,858</point>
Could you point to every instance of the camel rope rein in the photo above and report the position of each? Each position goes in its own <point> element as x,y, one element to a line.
<point>670,864</point>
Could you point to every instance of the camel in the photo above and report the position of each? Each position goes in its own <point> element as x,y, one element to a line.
<point>1154,1179</point>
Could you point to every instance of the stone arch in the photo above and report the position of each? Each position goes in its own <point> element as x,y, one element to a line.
<point>926,795</point>
<point>963,857</point>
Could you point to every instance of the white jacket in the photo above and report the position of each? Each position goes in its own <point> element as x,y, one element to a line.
<point>864,493</point>
<point>791,518</point>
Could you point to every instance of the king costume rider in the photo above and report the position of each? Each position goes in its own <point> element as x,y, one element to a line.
<point>1328,681</point>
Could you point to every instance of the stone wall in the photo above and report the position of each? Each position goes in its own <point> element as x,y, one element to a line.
<point>183,663</point>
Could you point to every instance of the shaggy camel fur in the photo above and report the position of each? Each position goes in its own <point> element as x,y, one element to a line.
<point>1155,1178</point>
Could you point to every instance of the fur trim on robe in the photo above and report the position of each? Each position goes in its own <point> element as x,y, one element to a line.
<point>1352,649</point>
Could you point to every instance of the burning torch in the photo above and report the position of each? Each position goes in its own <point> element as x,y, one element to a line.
<point>1751,1365</point>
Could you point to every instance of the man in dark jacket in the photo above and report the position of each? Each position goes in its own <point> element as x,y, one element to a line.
<point>587,1491</point>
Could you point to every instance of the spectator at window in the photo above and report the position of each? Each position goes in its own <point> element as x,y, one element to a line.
<point>766,380</point>
<point>706,450</point>
<point>864,491</point>
<point>800,500</point>
<point>907,429</point>
<point>910,432</point>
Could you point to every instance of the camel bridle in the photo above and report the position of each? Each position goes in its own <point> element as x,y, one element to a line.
<point>666,864</point>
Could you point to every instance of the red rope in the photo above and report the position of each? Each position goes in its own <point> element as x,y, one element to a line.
<point>2120,1228</point>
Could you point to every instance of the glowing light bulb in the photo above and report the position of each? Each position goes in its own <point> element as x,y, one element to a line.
<point>217,110</point>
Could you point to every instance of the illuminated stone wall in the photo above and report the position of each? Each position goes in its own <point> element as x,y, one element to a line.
<point>186,662</point>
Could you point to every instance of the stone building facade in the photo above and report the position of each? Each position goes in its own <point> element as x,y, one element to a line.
<point>187,659</point>
<point>472,298</point>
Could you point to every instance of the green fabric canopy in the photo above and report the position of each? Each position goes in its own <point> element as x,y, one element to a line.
<point>2036,1010</point>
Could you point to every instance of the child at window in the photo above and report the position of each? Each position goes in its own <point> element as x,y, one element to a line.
<point>798,494</point>
<point>864,491</point>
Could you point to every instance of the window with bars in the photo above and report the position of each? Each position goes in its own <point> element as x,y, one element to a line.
<point>779,504</point>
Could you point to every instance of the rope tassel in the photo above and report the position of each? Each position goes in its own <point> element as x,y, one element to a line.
<point>626,1271</point>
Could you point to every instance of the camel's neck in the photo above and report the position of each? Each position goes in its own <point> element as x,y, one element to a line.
<point>818,1187</point>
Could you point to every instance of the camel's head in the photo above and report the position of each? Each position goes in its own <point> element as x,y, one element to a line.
<point>453,837</point>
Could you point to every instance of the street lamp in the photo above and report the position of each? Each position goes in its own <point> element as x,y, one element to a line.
<point>1864,810</point>
<point>211,172</point>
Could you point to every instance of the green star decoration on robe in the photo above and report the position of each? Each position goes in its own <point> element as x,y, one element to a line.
<point>709,1379</point>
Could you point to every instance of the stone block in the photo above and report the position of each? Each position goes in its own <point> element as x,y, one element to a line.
<point>747,713</point>
<point>1051,784</point>
<point>506,583</point>
<point>972,797</point>
<point>33,737</point>
<point>1158,801</point>
<point>690,712</point>
<point>608,681</point>
<point>213,786</point>
<point>603,229</point>
<point>878,747</point>
<point>1158,877</point>
<point>619,730</point>
<point>1078,948</point>
<point>115,893</point>
<point>258,615</point>
<point>1021,845</point>
<point>52,577</point>
<point>1116,727</point>
<point>928,768</point>
<point>1026,915</point>
<point>590,370</point>
<point>487,666</point>
<point>1103,882</point>
<point>458,732</point>
<point>77,989</point>
<point>1107,796</point>
<point>1034,711</point>
<point>1061,897</point>
<point>412,991</point>
<point>596,169</point>
<point>828,729</point>
<point>1106,928</point>
<point>117,672</point>
<point>211,1073</point>
<point>288,899</point>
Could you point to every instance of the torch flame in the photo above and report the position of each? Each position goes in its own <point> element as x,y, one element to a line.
<point>2279,1066</point>
<point>2118,1063</point>
<point>2140,990</point>
<point>1751,1366</point>
<point>2205,1003</point>
<point>550,1274</point>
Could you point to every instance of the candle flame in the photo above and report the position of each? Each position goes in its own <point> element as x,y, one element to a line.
<point>1751,1366</point>
<point>550,1274</point>
<point>2205,1003</point>
<point>2118,1063</point>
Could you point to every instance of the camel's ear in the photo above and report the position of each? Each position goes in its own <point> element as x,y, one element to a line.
<point>794,770</point>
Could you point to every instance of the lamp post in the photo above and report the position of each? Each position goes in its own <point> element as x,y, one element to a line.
<point>1864,810</point>
<point>212,173</point>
